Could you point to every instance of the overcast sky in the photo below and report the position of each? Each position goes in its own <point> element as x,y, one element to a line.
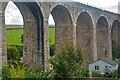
<point>13,15</point>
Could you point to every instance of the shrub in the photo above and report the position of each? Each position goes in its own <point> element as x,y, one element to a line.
<point>14,52</point>
<point>17,70</point>
<point>5,72</point>
<point>67,63</point>
<point>114,74</point>
<point>97,74</point>
<point>52,50</point>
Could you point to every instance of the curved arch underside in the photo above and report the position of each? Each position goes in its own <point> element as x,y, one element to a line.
<point>63,27</point>
<point>102,35</point>
<point>33,33</point>
<point>84,37</point>
<point>115,36</point>
<point>61,15</point>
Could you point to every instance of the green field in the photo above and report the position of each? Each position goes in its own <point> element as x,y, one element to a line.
<point>13,36</point>
<point>52,35</point>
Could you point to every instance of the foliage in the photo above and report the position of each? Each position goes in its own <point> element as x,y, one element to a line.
<point>20,48</point>
<point>119,71</point>
<point>97,74</point>
<point>12,53</point>
<point>67,63</point>
<point>52,50</point>
<point>5,72</point>
<point>17,70</point>
<point>22,38</point>
<point>84,73</point>
<point>107,75</point>
<point>114,74</point>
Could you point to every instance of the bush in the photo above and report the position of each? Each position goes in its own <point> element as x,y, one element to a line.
<point>67,63</point>
<point>114,74</point>
<point>119,71</point>
<point>85,73</point>
<point>17,70</point>
<point>97,74</point>
<point>52,50</point>
<point>5,72</point>
<point>14,52</point>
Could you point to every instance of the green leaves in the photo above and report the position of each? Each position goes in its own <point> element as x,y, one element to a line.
<point>67,63</point>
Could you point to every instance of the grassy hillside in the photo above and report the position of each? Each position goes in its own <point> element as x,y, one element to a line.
<point>52,35</point>
<point>13,36</point>
<point>13,26</point>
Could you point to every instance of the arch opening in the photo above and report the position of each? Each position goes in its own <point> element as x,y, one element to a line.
<point>63,27</point>
<point>115,33</point>
<point>51,35</point>
<point>33,38</point>
<point>14,31</point>
<point>102,35</point>
<point>84,36</point>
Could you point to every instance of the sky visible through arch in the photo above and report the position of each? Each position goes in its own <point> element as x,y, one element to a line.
<point>13,15</point>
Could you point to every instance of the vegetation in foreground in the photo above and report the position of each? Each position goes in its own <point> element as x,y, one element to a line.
<point>66,64</point>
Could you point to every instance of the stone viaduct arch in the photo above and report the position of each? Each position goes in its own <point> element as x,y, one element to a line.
<point>87,27</point>
<point>84,36</point>
<point>115,33</point>
<point>33,32</point>
<point>102,34</point>
<point>63,25</point>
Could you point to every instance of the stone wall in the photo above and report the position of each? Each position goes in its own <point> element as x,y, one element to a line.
<point>93,38</point>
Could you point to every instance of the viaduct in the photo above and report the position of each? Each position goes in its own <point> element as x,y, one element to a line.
<point>93,30</point>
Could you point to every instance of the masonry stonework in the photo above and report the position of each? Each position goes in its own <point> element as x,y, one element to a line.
<point>86,27</point>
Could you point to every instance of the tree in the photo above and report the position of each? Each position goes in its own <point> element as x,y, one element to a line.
<point>67,63</point>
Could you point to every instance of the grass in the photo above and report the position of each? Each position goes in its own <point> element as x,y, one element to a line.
<point>13,36</point>
<point>52,35</point>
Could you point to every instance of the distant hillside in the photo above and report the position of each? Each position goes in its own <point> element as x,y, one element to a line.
<point>14,26</point>
<point>13,36</point>
<point>52,26</point>
<point>21,26</point>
